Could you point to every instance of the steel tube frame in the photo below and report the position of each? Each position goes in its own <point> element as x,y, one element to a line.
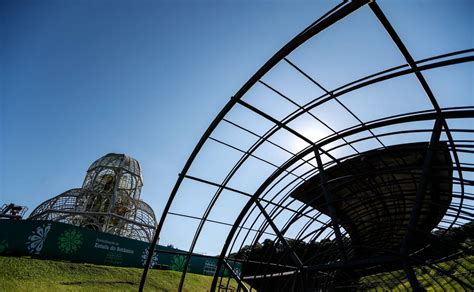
<point>333,16</point>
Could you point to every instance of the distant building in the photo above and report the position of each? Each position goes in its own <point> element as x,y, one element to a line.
<point>12,211</point>
<point>109,200</point>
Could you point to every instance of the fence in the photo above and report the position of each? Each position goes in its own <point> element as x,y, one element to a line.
<point>54,240</point>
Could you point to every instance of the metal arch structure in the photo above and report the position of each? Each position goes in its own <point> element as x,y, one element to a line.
<point>109,201</point>
<point>394,216</point>
<point>12,211</point>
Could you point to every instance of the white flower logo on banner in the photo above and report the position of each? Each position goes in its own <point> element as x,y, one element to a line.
<point>154,259</point>
<point>36,240</point>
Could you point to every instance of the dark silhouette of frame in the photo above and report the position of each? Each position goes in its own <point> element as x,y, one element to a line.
<point>418,192</point>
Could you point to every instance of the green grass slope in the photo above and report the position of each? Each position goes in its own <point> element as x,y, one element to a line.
<point>25,274</point>
<point>429,278</point>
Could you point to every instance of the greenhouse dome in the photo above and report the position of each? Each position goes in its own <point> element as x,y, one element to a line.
<point>109,200</point>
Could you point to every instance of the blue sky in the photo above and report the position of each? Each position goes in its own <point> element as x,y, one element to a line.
<point>79,79</point>
<point>84,78</point>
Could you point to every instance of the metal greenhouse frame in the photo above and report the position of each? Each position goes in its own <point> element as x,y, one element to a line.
<point>109,201</point>
<point>427,181</point>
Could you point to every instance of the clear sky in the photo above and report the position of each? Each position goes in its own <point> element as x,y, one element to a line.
<point>79,79</point>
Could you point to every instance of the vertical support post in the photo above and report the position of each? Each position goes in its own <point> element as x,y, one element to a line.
<point>329,202</point>
<point>417,206</point>
<point>415,285</point>
<point>424,180</point>
<point>117,178</point>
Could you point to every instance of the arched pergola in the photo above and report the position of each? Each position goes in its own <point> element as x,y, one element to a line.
<point>383,202</point>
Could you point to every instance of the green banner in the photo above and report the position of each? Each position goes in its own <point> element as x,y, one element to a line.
<point>54,240</point>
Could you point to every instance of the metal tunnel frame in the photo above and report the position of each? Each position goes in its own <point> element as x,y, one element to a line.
<point>398,265</point>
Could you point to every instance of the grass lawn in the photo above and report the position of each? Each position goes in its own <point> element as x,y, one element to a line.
<point>26,274</point>
<point>429,278</point>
